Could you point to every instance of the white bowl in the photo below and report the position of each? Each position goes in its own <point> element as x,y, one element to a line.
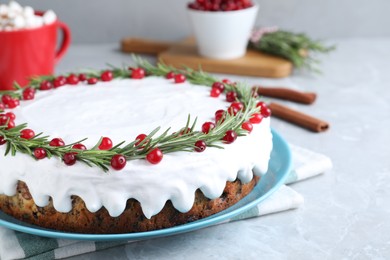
<point>223,35</point>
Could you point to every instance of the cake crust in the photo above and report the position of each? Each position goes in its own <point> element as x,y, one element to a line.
<point>80,220</point>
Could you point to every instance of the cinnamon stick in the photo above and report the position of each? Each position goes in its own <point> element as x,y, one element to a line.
<point>298,118</point>
<point>287,94</point>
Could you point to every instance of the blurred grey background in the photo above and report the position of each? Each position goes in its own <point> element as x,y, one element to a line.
<point>98,21</point>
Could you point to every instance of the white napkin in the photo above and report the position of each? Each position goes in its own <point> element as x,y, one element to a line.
<point>17,245</point>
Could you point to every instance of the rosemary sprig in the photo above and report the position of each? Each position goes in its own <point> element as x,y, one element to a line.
<point>296,47</point>
<point>183,139</point>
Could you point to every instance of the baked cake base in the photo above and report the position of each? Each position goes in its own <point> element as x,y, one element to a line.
<point>80,220</point>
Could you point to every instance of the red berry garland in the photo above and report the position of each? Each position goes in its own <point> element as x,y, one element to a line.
<point>154,155</point>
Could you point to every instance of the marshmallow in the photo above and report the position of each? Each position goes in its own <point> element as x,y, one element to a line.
<point>3,10</point>
<point>49,17</point>
<point>28,11</point>
<point>15,7</point>
<point>19,22</point>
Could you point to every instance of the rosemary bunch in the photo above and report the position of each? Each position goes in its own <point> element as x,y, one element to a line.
<point>295,47</point>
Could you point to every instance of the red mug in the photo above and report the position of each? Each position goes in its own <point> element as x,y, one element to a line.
<point>27,53</point>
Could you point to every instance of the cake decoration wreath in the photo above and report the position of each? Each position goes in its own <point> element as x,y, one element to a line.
<point>237,120</point>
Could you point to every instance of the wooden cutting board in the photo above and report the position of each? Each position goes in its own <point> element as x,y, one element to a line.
<point>184,53</point>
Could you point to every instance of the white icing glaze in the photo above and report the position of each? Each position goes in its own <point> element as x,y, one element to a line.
<point>122,109</point>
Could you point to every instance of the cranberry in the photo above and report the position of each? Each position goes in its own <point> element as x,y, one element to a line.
<point>2,106</point>
<point>11,124</point>
<point>28,93</point>
<point>14,102</point>
<point>3,119</point>
<point>206,127</point>
<point>40,153</point>
<point>265,112</point>
<point>69,158</point>
<point>180,78</point>
<point>5,99</point>
<point>170,75</point>
<point>261,104</point>
<point>185,131</point>
<point>219,86</point>
<point>72,79</point>
<point>105,144</point>
<point>256,118</point>
<point>10,115</point>
<point>227,81</point>
<point>106,76</point>
<point>247,126</point>
<point>200,146</point>
<point>138,73</point>
<point>59,81</point>
<point>155,156</point>
<point>82,77</point>
<point>2,140</point>
<point>139,139</point>
<point>231,96</point>
<point>215,92</point>
<point>57,142</point>
<point>230,137</point>
<point>232,111</point>
<point>220,116</point>
<point>45,85</point>
<point>238,105</point>
<point>92,81</point>
<point>118,162</point>
<point>79,147</point>
<point>27,134</point>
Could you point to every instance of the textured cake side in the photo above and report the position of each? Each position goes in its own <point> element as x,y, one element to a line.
<point>80,220</point>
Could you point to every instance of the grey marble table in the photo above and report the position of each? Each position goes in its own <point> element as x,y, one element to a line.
<point>346,214</point>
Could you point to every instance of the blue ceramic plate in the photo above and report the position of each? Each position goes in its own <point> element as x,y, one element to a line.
<point>279,168</point>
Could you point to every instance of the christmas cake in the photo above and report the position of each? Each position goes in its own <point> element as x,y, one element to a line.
<point>129,150</point>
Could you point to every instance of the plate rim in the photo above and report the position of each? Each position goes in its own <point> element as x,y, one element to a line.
<point>198,224</point>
